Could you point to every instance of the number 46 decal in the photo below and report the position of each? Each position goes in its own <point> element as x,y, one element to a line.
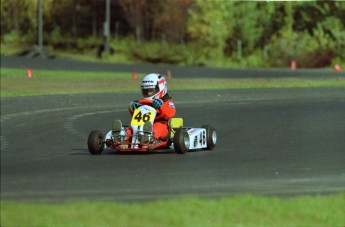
<point>144,118</point>
<point>139,118</point>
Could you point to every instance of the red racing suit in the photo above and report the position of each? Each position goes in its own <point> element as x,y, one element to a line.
<point>164,114</point>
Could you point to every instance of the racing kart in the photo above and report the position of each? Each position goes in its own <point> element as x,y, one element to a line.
<point>182,139</point>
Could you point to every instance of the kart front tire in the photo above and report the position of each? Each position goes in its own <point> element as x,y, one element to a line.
<point>181,141</point>
<point>95,142</point>
<point>211,136</point>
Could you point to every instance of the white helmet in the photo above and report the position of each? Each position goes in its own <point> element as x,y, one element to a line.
<point>153,86</point>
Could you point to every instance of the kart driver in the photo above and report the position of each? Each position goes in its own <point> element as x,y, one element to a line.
<point>153,87</point>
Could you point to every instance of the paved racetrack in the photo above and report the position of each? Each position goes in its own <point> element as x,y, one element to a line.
<point>270,141</point>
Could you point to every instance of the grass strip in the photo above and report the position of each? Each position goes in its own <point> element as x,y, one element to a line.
<point>244,210</point>
<point>14,82</point>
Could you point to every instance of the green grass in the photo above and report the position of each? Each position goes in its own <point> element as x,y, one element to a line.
<point>245,210</point>
<point>14,82</point>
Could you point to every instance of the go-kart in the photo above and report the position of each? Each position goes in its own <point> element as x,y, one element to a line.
<point>180,138</point>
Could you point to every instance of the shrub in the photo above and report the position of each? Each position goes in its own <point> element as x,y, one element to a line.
<point>308,50</point>
<point>155,52</point>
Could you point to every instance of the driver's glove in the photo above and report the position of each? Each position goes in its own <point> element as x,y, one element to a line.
<point>135,105</point>
<point>157,103</point>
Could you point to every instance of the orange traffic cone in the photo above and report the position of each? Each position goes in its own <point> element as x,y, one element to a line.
<point>134,76</point>
<point>29,73</point>
<point>293,65</point>
<point>337,67</point>
<point>169,74</point>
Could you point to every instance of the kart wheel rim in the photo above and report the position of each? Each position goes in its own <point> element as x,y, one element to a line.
<point>214,137</point>
<point>186,141</point>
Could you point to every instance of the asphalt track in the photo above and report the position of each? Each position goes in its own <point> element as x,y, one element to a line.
<point>270,142</point>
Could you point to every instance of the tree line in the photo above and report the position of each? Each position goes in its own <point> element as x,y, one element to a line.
<point>194,32</point>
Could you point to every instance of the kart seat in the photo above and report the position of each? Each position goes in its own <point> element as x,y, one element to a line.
<point>173,125</point>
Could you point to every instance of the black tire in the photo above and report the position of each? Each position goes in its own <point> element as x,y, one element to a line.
<point>181,141</point>
<point>211,136</point>
<point>95,142</point>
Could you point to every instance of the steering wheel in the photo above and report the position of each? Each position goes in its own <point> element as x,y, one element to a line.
<point>149,103</point>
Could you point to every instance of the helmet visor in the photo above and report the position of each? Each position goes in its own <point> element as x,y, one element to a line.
<point>150,92</point>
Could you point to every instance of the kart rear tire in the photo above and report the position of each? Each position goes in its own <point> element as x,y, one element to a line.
<point>211,136</point>
<point>181,141</point>
<point>95,142</point>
